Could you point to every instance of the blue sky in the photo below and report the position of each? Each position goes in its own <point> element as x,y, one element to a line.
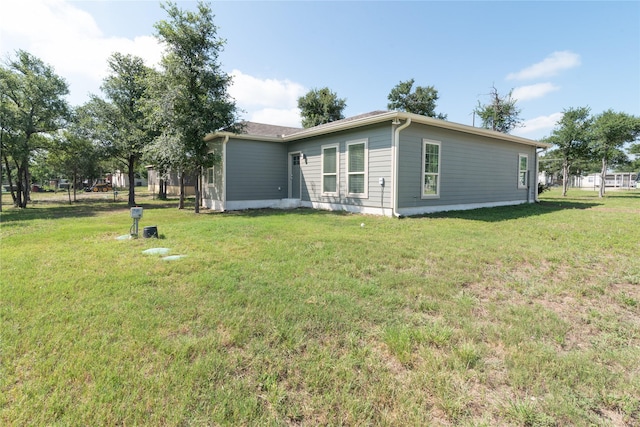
<point>554,55</point>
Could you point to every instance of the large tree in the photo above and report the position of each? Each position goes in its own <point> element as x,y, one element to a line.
<point>127,133</point>
<point>571,138</point>
<point>500,113</point>
<point>74,156</point>
<point>611,131</point>
<point>422,100</point>
<point>32,105</point>
<point>320,106</point>
<point>196,101</point>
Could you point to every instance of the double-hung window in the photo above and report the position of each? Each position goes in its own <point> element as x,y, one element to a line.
<point>330,162</point>
<point>430,169</point>
<point>523,175</point>
<point>357,165</point>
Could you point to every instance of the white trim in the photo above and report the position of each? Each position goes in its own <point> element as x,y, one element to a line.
<point>357,209</point>
<point>395,142</point>
<point>240,205</point>
<point>365,194</point>
<point>348,124</point>
<point>224,172</point>
<point>419,210</point>
<point>526,172</point>
<point>337,172</point>
<point>426,141</point>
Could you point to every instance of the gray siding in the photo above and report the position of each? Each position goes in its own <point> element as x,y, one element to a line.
<point>379,166</point>
<point>255,170</point>
<point>215,191</point>
<point>473,169</point>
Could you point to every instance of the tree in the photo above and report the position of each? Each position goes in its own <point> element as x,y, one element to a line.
<point>571,139</point>
<point>196,101</point>
<point>74,156</point>
<point>500,114</point>
<point>611,131</point>
<point>32,105</point>
<point>421,101</point>
<point>320,106</point>
<point>127,131</point>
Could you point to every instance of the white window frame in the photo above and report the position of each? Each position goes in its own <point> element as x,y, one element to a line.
<point>438,175</point>
<point>365,194</point>
<point>337,172</point>
<point>522,185</point>
<point>211,176</point>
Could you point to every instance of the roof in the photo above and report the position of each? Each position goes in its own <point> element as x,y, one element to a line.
<point>262,129</point>
<point>267,132</point>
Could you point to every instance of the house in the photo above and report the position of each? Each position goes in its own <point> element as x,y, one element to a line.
<point>120,179</point>
<point>171,183</point>
<point>621,180</point>
<point>384,162</point>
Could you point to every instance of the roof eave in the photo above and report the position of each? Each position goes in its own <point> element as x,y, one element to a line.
<point>379,118</point>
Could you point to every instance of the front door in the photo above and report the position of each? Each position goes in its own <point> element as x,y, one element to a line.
<point>294,176</point>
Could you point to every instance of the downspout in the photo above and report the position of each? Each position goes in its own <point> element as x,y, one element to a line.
<point>224,172</point>
<point>394,166</point>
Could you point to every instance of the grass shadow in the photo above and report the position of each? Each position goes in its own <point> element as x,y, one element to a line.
<point>51,209</point>
<point>506,213</point>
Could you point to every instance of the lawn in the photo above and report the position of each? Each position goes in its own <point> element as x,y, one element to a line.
<point>526,315</point>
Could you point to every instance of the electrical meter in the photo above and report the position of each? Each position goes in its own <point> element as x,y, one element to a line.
<point>136,212</point>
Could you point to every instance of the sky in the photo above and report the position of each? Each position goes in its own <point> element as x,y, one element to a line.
<point>553,55</point>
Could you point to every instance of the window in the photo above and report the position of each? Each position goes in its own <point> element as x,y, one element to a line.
<point>523,165</point>
<point>330,169</point>
<point>210,176</point>
<point>431,169</point>
<point>357,168</point>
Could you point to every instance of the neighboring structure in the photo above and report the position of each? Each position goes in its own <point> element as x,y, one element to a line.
<point>121,180</point>
<point>622,180</point>
<point>172,182</point>
<point>385,163</point>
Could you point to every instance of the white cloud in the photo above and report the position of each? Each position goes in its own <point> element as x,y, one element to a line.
<point>538,125</point>
<point>269,101</point>
<point>70,40</point>
<point>550,66</point>
<point>525,93</point>
<point>275,116</point>
<point>253,91</point>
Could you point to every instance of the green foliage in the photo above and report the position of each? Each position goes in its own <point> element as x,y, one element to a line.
<point>320,106</point>
<point>500,114</point>
<point>32,104</point>
<point>571,139</point>
<point>421,101</point>
<point>118,123</point>
<point>74,156</point>
<point>195,100</point>
<point>611,131</point>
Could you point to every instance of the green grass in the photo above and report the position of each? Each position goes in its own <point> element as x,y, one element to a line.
<point>525,315</point>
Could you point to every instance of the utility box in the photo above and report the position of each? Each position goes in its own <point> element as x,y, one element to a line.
<point>136,212</point>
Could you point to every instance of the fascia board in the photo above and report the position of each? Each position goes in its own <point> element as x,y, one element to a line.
<point>379,118</point>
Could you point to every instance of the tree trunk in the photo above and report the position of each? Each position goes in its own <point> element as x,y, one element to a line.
<point>132,181</point>
<point>162,189</point>
<point>21,198</point>
<point>75,187</point>
<point>196,187</point>
<point>565,177</point>
<point>603,175</point>
<point>181,200</point>
<point>13,194</point>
